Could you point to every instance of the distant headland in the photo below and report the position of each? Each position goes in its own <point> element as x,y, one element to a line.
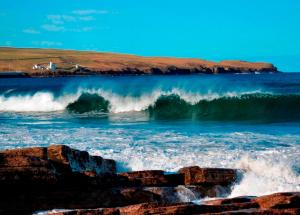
<point>32,62</point>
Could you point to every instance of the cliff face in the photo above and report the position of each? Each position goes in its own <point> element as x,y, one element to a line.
<point>14,59</point>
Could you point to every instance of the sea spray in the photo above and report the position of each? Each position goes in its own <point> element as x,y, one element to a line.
<point>174,104</point>
<point>264,175</point>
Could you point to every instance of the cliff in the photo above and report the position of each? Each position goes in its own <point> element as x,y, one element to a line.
<point>23,59</point>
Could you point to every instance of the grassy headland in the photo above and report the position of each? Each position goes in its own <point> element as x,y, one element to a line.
<point>23,59</point>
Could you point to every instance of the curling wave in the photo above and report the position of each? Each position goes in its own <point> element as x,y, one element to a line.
<point>165,105</point>
<point>255,106</point>
<point>245,107</point>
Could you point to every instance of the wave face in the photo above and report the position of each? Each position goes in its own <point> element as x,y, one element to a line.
<point>255,106</point>
<point>245,107</point>
<point>88,103</point>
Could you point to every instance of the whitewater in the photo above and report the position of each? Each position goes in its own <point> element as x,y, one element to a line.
<point>249,122</point>
<point>118,103</point>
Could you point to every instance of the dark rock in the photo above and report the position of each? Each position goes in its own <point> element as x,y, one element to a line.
<point>279,201</point>
<point>155,208</point>
<point>40,178</point>
<point>138,195</point>
<point>210,176</point>
<point>8,160</point>
<point>39,152</point>
<point>210,190</point>
<point>152,178</point>
<point>26,177</point>
<point>143,174</point>
<point>79,161</point>
<point>228,201</point>
<point>255,211</point>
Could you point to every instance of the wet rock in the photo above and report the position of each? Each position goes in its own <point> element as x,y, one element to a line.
<point>138,195</point>
<point>25,177</point>
<point>208,176</point>
<point>253,211</point>
<point>227,201</point>
<point>9,160</point>
<point>279,201</point>
<point>79,161</point>
<point>182,193</point>
<point>174,194</point>
<point>156,208</point>
<point>57,176</point>
<point>210,190</point>
<point>143,174</point>
<point>147,208</point>
<point>43,178</point>
<point>39,152</point>
<point>239,205</point>
<point>62,157</point>
<point>152,178</point>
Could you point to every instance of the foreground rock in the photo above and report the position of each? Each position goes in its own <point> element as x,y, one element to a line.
<point>208,176</point>
<point>241,205</point>
<point>45,178</point>
<point>279,203</point>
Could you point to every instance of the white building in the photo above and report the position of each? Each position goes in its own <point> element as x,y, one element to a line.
<point>51,66</point>
<point>37,66</point>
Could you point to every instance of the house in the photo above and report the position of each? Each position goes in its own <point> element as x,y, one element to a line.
<point>51,66</point>
<point>37,66</point>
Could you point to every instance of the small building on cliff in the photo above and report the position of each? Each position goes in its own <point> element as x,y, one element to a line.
<point>51,66</point>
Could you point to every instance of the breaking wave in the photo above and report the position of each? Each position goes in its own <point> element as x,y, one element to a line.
<point>164,105</point>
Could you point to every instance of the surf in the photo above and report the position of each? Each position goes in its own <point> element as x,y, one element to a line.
<point>160,105</point>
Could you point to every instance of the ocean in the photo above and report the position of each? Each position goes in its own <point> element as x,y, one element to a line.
<point>245,121</point>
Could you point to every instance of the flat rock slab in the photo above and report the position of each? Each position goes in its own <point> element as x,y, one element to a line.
<point>210,176</point>
<point>279,201</point>
<point>61,157</point>
<point>153,178</point>
<point>240,205</point>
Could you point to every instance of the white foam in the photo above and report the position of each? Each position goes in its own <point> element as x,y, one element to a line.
<point>47,102</point>
<point>266,175</point>
<point>38,102</point>
<point>268,159</point>
<point>267,171</point>
<point>127,103</point>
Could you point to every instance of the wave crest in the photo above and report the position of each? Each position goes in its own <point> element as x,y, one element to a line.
<point>165,105</point>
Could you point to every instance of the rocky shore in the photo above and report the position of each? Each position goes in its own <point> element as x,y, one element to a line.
<point>58,177</point>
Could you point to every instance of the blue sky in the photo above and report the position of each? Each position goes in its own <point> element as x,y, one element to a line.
<point>253,30</point>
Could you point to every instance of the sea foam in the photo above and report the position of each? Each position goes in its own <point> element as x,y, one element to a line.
<point>47,102</point>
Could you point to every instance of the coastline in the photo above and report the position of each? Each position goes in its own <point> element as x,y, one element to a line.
<point>46,178</point>
<point>93,74</point>
<point>54,62</point>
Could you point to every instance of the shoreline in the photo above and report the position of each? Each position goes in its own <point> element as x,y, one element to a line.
<point>53,75</point>
<point>46,178</point>
<point>55,62</point>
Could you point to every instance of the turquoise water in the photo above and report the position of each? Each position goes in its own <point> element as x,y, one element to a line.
<point>247,121</point>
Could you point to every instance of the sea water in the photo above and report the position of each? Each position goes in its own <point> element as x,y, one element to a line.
<point>250,122</point>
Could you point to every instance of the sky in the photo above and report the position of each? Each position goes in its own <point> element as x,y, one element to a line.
<point>252,30</point>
